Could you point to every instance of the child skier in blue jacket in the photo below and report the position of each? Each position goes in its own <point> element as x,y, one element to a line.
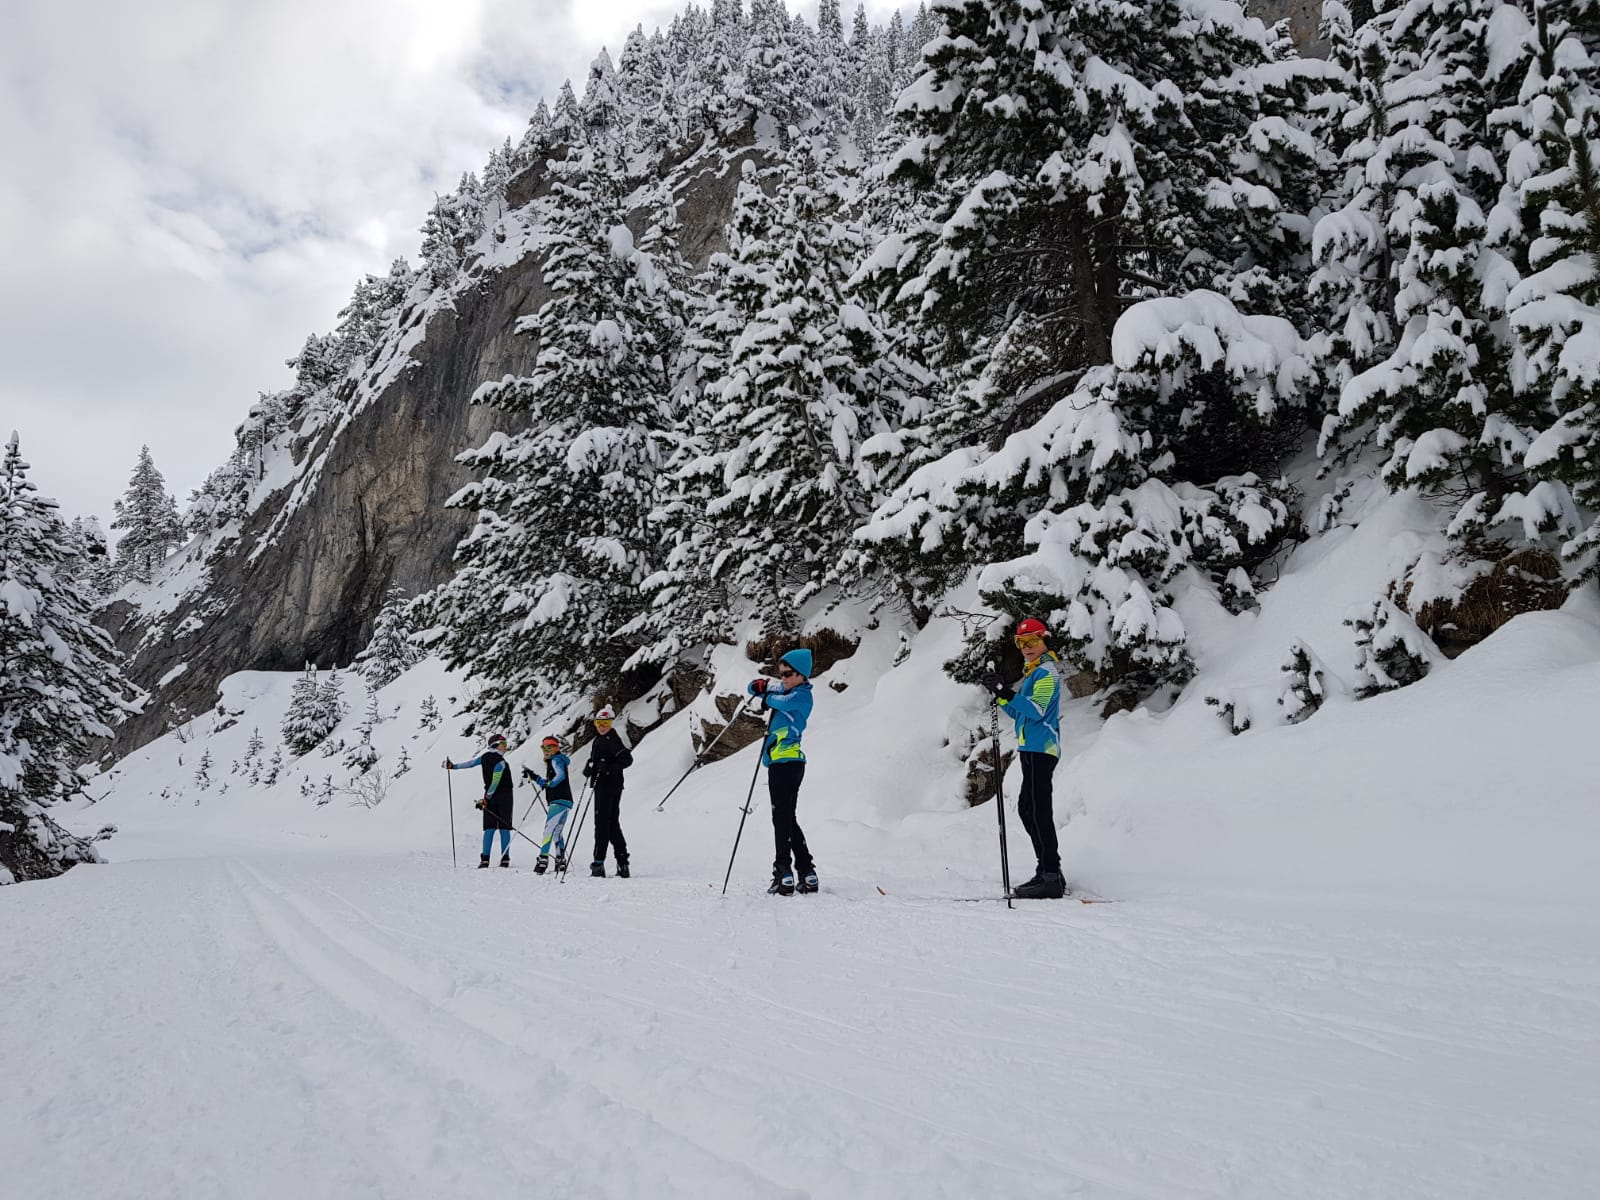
<point>558,797</point>
<point>790,703</point>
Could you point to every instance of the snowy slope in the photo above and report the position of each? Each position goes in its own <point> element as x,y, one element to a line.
<point>1354,957</point>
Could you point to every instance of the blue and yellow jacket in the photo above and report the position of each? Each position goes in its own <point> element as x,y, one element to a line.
<point>791,708</point>
<point>1036,708</point>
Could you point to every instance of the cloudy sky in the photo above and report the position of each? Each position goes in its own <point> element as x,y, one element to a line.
<point>192,186</point>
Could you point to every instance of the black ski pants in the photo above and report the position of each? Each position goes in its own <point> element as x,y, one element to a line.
<point>608,820</point>
<point>783,785</point>
<point>1034,806</point>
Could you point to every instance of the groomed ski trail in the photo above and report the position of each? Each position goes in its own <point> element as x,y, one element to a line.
<point>269,1026</point>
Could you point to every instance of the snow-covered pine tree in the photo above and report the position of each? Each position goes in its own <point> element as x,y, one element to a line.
<point>274,768</point>
<point>148,517</point>
<point>773,81</point>
<point>61,683</point>
<point>552,571</point>
<point>404,763</point>
<point>1430,240</point>
<point>1556,310</point>
<point>307,722</point>
<point>254,746</point>
<point>325,793</point>
<point>1084,157</point>
<point>202,772</point>
<point>363,754</point>
<point>452,225</point>
<point>807,375</point>
<point>389,651</point>
<point>428,716</point>
<point>330,696</point>
<point>1392,651</point>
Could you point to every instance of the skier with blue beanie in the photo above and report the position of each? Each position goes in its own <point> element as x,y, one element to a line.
<point>789,700</point>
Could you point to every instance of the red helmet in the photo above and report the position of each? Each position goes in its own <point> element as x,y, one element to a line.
<point>1032,626</point>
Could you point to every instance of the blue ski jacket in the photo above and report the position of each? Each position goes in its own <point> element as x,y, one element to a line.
<point>791,709</point>
<point>1036,708</point>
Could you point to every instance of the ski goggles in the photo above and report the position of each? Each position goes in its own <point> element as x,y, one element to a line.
<point>1027,641</point>
<point>549,745</point>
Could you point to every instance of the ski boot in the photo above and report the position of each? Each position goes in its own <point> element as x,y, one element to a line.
<point>542,864</point>
<point>483,861</point>
<point>622,869</point>
<point>505,860</point>
<point>597,869</point>
<point>782,884</point>
<point>808,883</point>
<point>1049,886</point>
<point>561,864</point>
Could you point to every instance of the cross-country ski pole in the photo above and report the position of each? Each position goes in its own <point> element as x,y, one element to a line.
<point>577,832</point>
<point>1000,797</point>
<point>749,800</point>
<point>737,713</point>
<point>450,794</point>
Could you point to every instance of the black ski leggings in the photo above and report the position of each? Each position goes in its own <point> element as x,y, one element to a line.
<point>783,785</point>
<point>608,820</point>
<point>1034,806</point>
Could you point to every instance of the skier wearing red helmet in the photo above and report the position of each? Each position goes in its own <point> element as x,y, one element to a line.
<point>1035,707</point>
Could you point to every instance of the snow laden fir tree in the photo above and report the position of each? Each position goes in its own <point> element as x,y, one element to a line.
<point>61,683</point>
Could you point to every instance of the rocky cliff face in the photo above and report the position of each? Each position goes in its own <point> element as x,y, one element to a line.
<point>306,586</point>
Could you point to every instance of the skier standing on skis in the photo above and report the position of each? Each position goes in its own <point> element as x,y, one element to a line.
<point>609,756</point>
<point>1035,706</point>
<point>497,799</point>
<point>558,803</point>
<point>789,700</point>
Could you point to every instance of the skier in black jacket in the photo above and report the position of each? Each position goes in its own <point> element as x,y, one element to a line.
<point>497,800</point>
<point>608,757</point>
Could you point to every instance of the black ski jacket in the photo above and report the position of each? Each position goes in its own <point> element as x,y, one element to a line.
<point>608,757</point>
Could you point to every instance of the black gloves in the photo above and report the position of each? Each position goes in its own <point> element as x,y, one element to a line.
<point>997,687</point>
<point>588,769</point>
<point>528,775</point>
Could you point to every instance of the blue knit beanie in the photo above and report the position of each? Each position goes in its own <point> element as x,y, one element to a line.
<point>800,660</point>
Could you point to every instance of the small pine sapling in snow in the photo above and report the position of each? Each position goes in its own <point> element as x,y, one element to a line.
<point>429,717</point>
<point>274,768</point>
<point>1392,651</point>
<point>1237,593</point>
<point>325,796</point>
<point>202,774</point>
<point>306,787</point>
<point>1235,715</point>
<point>1306,688</point>
<point>233,767</point>
<point>404,764</point>
<point>254,777</point>
<point>253,749</point>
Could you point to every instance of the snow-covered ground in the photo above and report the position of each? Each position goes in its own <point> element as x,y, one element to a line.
<point>1356,957</point>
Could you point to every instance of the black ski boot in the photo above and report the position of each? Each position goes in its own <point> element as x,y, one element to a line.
<point>542,864</point>
<point>1031,881</point>
<point>808,883</point>
<point>561,864</point>
<point>1049,886</point>
<point>782,884</point>
<point>505,860</point>
<point>597,869</point>
<point>622,869</point>
<point>483,861</point>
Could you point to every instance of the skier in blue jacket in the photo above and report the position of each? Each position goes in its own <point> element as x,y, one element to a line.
<point>558,803</point>
<point>789,700</point>
<point>1034,705</point>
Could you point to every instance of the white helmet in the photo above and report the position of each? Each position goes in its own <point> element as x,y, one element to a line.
<point>605,714</point>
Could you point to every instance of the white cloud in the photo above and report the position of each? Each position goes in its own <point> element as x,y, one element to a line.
<point>192,186</point>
